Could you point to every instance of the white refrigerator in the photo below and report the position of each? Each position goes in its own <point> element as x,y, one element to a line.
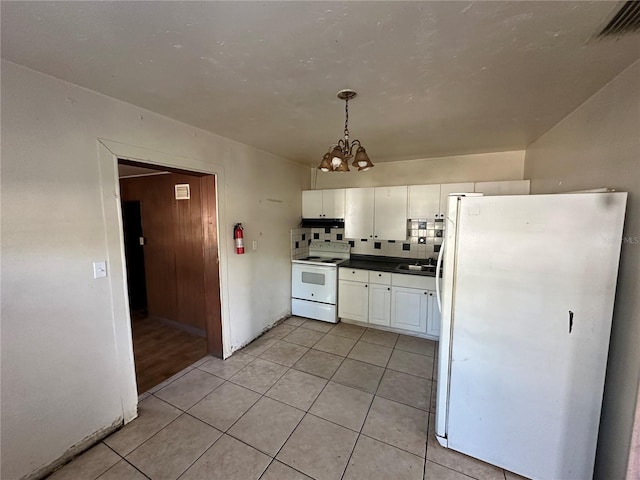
<point>527,300</point>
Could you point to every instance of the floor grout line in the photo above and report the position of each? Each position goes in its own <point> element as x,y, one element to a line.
<point>306,412</point>
<point>359,434</point>
<point>225,432</point>
<point>132,466</point>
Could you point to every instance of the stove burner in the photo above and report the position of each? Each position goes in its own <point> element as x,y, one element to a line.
<point>311,258</point>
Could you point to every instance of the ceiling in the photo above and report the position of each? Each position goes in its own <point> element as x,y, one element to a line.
<point>433,78</point>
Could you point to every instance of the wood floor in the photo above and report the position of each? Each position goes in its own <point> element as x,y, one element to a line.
<point>161,351</point>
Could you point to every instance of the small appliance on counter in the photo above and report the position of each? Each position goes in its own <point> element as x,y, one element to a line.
<point>314,281</point>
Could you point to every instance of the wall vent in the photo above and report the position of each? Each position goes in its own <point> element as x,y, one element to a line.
<point>183,192</point>
<point>627,20</point>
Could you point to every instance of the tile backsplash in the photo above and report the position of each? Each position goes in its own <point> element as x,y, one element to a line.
<point>424,238</point>
<point>300,238</point>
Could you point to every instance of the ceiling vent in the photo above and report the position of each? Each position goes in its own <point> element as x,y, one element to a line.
<point>627,20</point>
<point>183,192</point>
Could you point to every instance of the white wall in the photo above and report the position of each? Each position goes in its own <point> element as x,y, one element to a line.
<point>461,168</point>
<point>598,145</point>
<point>60,375</point>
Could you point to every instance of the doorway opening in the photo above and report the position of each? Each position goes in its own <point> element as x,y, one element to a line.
<point>171,252</point>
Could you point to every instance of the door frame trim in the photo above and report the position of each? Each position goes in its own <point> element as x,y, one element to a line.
<point>109,152</point>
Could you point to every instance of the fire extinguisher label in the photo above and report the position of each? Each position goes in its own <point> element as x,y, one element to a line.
<point>239,243</point>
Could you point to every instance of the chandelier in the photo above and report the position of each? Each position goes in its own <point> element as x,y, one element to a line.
<point>339,154</point>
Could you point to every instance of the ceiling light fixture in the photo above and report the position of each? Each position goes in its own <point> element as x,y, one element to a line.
<point>337,158</point>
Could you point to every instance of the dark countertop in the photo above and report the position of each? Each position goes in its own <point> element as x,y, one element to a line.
<point>385,264</point>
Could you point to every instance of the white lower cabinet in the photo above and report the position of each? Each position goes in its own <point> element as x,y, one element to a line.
<point>409,309</point>
<point>433,317</point>
<point>380,304</point>
<point>353,300</point>
<point>396,301</point>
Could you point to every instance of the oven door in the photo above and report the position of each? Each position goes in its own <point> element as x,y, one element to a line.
<point>315,283</point>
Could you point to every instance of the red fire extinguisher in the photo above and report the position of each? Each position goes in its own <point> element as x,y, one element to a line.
<point>238,235</point>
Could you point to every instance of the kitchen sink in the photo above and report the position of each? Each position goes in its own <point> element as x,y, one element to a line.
<point>417,269</point>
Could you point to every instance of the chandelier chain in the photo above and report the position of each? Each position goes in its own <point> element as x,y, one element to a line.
<point>346,118</point>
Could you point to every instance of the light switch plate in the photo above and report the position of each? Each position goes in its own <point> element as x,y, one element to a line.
<point>99,269</point>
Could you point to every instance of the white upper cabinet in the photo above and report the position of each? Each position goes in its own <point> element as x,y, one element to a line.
<point>358,213</point>
<point>447,188</point>
<point>382,212</point>
<point>376,213</point>
<point>312,204</point>
<point>424,201</point>
<point>333,203</point>
<point>390,213</point>
<point>323,203</point>
<point>510,187</point>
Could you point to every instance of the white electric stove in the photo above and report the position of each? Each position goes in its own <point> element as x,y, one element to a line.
<point>314,281</point>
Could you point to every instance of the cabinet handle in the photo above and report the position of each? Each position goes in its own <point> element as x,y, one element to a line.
<point>425,293</point>
<point>366,286</point>
<point>379,274</point>
<point>388,288</point>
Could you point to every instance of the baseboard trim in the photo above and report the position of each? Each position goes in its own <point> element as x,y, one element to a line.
<point>75,451</point>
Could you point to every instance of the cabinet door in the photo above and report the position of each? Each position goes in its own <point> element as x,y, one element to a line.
<point>333,203</point>
<point>380,304</point>
<point>353,300</point>
<point>433,319</point>
<point>409,309</point>
<point>358,214</point>
<point>447,188</point>
<point>390,213</point>
<point>511,187</point>
<point>424,201</point>
<point>312,204</point>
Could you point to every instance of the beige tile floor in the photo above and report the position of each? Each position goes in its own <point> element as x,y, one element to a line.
<point>306,400</point>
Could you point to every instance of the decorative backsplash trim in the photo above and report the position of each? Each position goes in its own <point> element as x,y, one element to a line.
<point>424,238</point>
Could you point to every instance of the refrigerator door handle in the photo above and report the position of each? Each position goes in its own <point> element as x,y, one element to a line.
<point>438,276</point>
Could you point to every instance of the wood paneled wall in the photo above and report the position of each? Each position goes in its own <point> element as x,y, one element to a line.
<point>175,252</point>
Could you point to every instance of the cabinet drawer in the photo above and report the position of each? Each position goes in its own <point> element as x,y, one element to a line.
<point>353,274</point>
<point>381,278</point>
<point>413,281</point>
